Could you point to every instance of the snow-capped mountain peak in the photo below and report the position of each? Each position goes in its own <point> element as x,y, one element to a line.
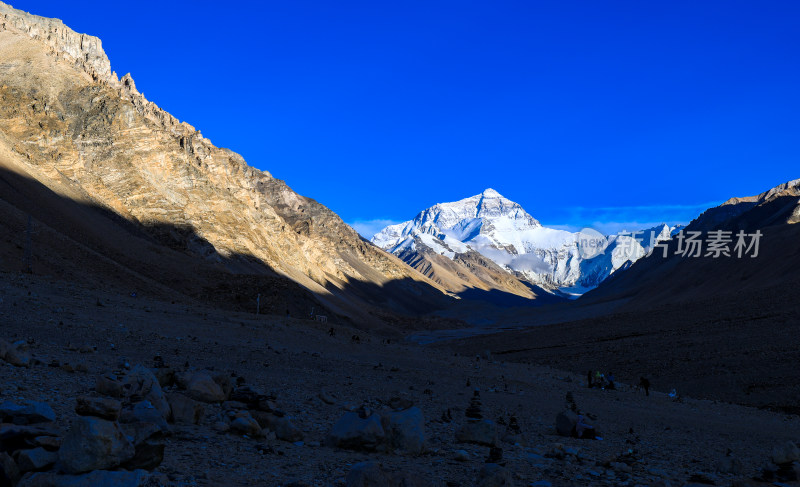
<point>502,231</point>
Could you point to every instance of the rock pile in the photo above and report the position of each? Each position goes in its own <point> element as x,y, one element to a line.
<point>35,453</point>
<point>477,430</point>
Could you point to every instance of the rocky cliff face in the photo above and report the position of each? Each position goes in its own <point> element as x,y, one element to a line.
<point>66,118</point>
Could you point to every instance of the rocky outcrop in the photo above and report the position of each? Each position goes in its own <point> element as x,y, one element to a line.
<point>69,123</point>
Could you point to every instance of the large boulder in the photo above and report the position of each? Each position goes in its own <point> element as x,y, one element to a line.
<point>405,430</point>
<point>137,478</point>
<point>483,432</point>
<point>202,387</point>
<point>185,410</point>
<point>356,433</point>
<point>30,412</point>
<point>94,444</point>
<point>141,384</point>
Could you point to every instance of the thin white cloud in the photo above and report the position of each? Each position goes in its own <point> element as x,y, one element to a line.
<point>368,228</point>
<point>613,228</point>
<point>614,219</point>
<point>698,206</point>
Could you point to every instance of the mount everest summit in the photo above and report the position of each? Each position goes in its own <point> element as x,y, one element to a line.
<point>487,236</point>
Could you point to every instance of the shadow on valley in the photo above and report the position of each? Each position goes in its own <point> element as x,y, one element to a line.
<point>96,247</point>
<point>716,328</point>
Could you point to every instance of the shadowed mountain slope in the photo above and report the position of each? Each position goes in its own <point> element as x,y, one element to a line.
<point>719,328</point>
<point>69,123</point>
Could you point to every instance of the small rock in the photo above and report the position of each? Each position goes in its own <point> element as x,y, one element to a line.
<point>224,382</point>
<point>185,410</point>
<point>400,403</point>
<point>621,467</point>
<point>165,376</point>
<point>148,443</point>
<point>108,385</point>
<point>35,460</point>
<point>461,456</point>
<point>141,384</point>
<point>144,412</point>
<point>50,443</point>
<point>483,432</point>
<point>326,398</point>
<point>730,465</point>
<point>18,437</point>
<point>369,474</point>
<point>493,475</point>
<point>366,474</point>
<point>785,453</point>
<point>9,472</point>
<point>566,422</point>
<point>101,407</point>
<point>355,433</point>
<point>405,430</point>
<point>138,478</point>
<point>201,387</point>
<point>17,354</point>
<point>285,430</point>
<point>245,424</point>
<point>30,412</point>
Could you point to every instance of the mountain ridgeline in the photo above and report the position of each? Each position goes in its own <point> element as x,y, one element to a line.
<point>120,183</point>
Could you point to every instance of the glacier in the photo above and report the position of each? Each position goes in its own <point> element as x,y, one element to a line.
<point>561,261</point>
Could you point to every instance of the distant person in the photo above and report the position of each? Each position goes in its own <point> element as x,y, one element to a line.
<point>610,381</point>
<point>600,380</point>
<point>597,377</point>
<point>589,381</point>
<point>644,384</point>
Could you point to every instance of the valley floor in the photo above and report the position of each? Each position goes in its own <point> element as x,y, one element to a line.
<point>669,440</point>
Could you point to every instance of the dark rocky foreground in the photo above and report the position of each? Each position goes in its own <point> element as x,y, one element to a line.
<point>103,389</point>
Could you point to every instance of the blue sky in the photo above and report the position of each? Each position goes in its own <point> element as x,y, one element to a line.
<point>587,113</point>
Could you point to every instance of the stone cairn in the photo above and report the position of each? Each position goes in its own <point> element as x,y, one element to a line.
<point>473,412</point>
